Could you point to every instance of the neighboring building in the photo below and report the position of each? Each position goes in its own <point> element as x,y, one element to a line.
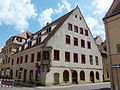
<point>112,26</point>
<point>1,58</point>
<point>9,49</point>
<point>103,49</point>
<point>63,52</point>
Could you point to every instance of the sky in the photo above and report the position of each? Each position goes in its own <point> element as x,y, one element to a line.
<point>17,16</point>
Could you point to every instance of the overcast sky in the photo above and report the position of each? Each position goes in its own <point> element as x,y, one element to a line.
<point>19,15</point>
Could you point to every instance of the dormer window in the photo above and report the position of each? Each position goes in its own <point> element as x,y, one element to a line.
<point>19,39</point>
<point>29,44</point>
<point>38,40</point>
<point>48,29</point>
<point>39,33</point>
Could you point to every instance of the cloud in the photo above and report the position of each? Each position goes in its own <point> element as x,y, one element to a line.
<point>62,6</point>
<point>101,6</point>
<point>16,13</point>
<point>95,27</point>
<point>46,15</point>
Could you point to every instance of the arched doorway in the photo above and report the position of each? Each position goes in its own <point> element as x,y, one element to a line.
<point>97,75</point>
<point>56,78</point>
<point>92,77</point>
<point>82,75</point>
<point>74,77</point>
<point>25,74</point>
<point>66,76</point>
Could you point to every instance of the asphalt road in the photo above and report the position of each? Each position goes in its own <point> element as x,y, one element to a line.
<point>98,86</point>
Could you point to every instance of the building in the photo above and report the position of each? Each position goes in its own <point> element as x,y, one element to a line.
<point>112,25</point>
<point>103,49</point>
<point>1,56</point>
<point>62,52</point>
<point>9,49</point>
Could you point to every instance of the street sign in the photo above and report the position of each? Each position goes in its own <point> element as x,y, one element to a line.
<point>116,66</point>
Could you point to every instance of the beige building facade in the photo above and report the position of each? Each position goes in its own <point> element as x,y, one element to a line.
<point>62,52</point>
<point>112,25</point>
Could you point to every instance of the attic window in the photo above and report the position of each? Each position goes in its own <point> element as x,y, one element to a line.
<point>80,18</point>
<point>75,16</point>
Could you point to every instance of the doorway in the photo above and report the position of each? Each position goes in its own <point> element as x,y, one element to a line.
<point>74,77</point>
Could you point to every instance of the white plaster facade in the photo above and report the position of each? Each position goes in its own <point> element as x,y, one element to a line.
<point>57,42</point>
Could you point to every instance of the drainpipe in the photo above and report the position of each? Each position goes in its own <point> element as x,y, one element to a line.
<point>109,53</point>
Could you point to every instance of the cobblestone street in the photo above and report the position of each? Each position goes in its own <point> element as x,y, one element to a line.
<point>97,86</point>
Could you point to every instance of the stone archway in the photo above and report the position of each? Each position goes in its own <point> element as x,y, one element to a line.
<point>74,77</point>
<point>92,77</point>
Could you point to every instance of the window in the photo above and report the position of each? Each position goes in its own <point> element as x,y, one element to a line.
<point>75,56</point>
<point>86,32</point>
<point>82,75</point>
<point>69,26</point>
<point>56,55</point>
<point>66,76</point>
<point>75,16</point>
<point>88,45</point>
<point>32,57</point>
<point>48,29</point>
<point>97,75</point>
<point>80,18</point>
<point>81,30</point>
<point>75,41</point>
<point>67,56</point>
<point>76,29</point>
<point>91,59</point>
<point>82,43</point>
<point>38,40</point>
<point>118,48</point>
<point>83,61</point>
<point>67,39</point>
<point>46,55</point>
<point>12,62</point>
<point>26,58</point>
<point>17,60</point>
<point>96,58</point>
<point>21,59</point>
<point>29,44</point>
<point>38,56</point>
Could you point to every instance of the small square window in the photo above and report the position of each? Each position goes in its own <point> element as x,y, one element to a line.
<point>67,39</point>
<point>75,16</point>
<point>69,26</point>
<point>86,32</point>
<point>81,30</point>
<point>76,29</point>
<point>75,41</point>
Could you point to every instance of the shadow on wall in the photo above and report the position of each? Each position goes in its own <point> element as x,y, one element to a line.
<point>102,89</point>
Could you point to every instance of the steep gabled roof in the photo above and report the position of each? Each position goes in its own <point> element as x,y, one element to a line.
<point>25,34</point>
<point>60,21</point>
<point>114,9</point>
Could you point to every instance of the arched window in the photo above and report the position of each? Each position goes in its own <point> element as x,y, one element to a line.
<point>97,75</point>
<point>65,76</point>
<point>56,78</point>
<point>82,75</point>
